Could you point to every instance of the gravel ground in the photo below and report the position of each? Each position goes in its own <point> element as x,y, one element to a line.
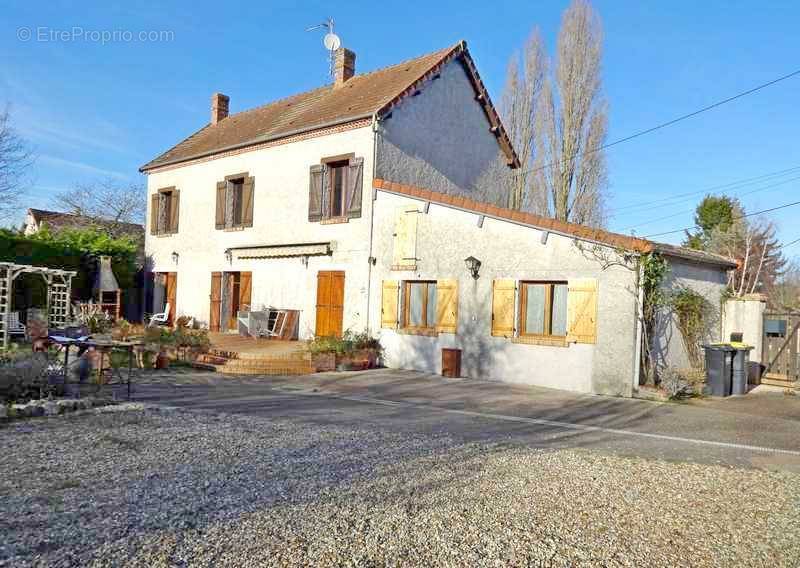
<point>146,487</point>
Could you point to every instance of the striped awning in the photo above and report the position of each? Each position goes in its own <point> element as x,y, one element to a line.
<point>282,251</point>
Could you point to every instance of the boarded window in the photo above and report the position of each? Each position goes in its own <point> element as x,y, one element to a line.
<point>404,253</point>
<point>543,308</point>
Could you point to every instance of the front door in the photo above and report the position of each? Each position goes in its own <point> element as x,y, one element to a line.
<point>216,301</point>
<point>172,294</point>
<point>330,303</point>
<point>230,293</point>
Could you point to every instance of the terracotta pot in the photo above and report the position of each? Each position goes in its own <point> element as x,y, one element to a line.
<point>162,360</point>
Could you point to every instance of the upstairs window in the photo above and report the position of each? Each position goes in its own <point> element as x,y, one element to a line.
<point>235,202</point>
<point>164,211</point>
<point>335,188</point>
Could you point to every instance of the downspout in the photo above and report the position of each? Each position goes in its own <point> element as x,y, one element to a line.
<point>637,357</point>
<point>372,214</point>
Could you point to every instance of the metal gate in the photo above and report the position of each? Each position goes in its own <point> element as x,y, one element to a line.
<point>781,348</point>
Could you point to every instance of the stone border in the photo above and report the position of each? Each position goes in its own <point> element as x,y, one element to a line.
<point>51,408</point>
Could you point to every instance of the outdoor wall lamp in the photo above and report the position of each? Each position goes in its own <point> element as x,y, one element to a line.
<point>175,257</point>
<point>473,265</point>
<point>229,255</point>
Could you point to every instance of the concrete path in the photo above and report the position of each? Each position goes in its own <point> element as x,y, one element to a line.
<point>760,430</point>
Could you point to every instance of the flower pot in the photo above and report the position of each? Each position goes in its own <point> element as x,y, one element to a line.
<point>162,360</point>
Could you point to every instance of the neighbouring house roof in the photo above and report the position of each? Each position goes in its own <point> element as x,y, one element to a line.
<point>56,220</point>
<point>360,97</point>
<point>575,230</point>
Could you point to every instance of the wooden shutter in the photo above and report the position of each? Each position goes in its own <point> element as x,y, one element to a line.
<point>216,301</point>
<point>405,237</point>
<point>154,214</point>
<point>503,295</point>
<point>389,303</point>
<point>582,310</point>
<point>220,216</point>
<point>355,171</point>
<point>245,290</point>
<point>174,211</point>
<point>446,306</point>
<point>248,189</point>
<point>315,178</point>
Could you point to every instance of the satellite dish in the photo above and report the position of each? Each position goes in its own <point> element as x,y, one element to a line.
<point>331,41</point>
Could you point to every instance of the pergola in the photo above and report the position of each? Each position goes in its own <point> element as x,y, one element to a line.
<point>59,288</point>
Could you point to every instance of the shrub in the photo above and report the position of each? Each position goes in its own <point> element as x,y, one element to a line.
<point>93,317</point>
<point>675,383</point>
<point>24,377</point>
<point>349,343</point>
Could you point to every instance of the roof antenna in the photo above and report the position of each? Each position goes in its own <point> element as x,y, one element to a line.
<point>331,41</point>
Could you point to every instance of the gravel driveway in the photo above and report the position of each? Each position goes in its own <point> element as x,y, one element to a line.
<point>148,487</point>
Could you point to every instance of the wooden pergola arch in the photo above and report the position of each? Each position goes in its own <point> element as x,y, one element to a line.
<point>59,289</point>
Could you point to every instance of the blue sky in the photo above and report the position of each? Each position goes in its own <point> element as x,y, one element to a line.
<point>96,110</point>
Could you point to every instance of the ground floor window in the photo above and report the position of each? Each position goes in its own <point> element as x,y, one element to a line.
<point>420,305</point>
<point>543,309</point>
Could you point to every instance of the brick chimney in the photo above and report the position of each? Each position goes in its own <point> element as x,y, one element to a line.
<point>219,107</point>
<point>344,66</point>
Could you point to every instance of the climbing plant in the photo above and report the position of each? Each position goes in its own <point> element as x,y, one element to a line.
<point>653,270</point>
<point>692,312</point>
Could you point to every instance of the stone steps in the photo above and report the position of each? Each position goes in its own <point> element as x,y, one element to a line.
<point>233,363</point>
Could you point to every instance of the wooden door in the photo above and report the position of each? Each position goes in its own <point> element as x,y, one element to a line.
<point>216,301</point>
<point>330,303</point>
<point>245,290</point>
<point>172,293</point>
<point>233,290</point>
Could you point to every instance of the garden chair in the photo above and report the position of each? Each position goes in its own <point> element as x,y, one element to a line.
<point>161,318</point>
<point>15,327</point>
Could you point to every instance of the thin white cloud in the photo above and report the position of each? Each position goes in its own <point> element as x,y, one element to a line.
<point>52,160</point>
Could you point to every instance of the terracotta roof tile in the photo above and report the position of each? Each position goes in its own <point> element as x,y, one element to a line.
<point>530,219</point>
<point>358,98</point>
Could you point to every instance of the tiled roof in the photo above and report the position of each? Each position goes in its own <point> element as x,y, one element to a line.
<point>359,97</point>
<point>58,220</point>
<point>581,232</point>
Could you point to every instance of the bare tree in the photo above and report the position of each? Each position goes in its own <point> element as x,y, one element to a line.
<point>106,200</point>
<point>524,80</point>
<point>15,159</point>
<point>572,122</point>
<point>755,246</point>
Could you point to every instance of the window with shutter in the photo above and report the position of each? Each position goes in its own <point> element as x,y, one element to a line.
<point>503,300</point>
<point>419,305</point>
<point>582,310</point>
<point>543,309</point>
<point>235,197</point>
<point>315,178</point>
<point>446,306</point>
<point>154,214</point>
<point>174,211</point>
<point>404,252</point>
<point>335,189</point>
<point>355,183</point>
<point>389,304</point>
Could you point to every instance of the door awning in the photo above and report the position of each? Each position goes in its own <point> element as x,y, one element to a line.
<point>282,251</point>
